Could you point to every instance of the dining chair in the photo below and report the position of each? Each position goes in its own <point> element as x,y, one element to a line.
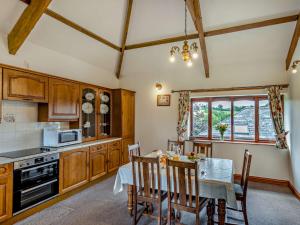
<point>147,187</point>
<point>204,148</point>
<point>241,188</point>
<point>181,183</point>
<point>181,145</point>
<point>134,149</point>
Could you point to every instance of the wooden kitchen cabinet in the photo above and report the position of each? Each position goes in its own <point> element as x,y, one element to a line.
<point>6,191</point>
<point>124,119</point>
<point>88,112</point>
<point>128,106</point>
<point>125,153</point>
<point>63,102</point>
<point>19,85</point>
<point>1,75</point>
<point>114,155</point>
<point>73,169</point>
<point>123,113</point>
<point>104,113</point>
<point>98,161</point>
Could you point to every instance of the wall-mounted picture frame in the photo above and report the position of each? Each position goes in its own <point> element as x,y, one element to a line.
<point>163,100</point>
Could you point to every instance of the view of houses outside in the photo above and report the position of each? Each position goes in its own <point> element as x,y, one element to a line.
<point>244,119</point>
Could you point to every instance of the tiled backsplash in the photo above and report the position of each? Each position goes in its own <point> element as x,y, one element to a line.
<point>19,128</point>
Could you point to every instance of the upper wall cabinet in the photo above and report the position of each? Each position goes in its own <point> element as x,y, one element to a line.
<point>63,102</point>
<point>128,106</point>
<point>104,113</point>
<point>88,116</point>
<point>123,113</point>
<point>18,85</point>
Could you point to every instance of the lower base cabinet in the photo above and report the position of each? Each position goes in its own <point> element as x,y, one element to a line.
<point>125,153</point>
<point>80,166</point>
<point>98,161</point>
<point>114,156</point>
<point>76,168</point>
<point>6,191</point>
<point>73,169</point>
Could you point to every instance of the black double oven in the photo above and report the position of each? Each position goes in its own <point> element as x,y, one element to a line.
<point>35,181</point>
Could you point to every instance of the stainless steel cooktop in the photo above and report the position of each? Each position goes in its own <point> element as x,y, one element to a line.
<point>26,152</point>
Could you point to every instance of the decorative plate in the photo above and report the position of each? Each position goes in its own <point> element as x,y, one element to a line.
<point>87,108</point>
<point>89,96</point>
<point>104,98</point>
<point>104,109</point>
<point>87,124</point>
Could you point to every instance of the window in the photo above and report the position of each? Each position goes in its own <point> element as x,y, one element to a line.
<point>200,119</point>
<point>266,129</point>
<point>248,118</point>
<point>244,120</point>
<point>221,113</point>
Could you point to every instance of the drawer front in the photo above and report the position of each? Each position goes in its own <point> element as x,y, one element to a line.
<point>114,145</point>
<point>97,148</point>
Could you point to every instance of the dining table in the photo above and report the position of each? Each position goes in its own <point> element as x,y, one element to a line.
<point>216,182</point>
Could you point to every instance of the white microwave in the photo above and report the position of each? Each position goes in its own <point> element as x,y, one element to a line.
<point>53,137</point>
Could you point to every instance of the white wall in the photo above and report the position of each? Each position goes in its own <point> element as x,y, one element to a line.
<point>295,124</point>
<point>26,132</point>
<point>44,60</point>
<point>155,125</point>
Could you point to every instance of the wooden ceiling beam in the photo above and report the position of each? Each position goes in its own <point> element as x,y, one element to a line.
<point>124,37</point>
<point>293,45</point>
<point>25,24</point>
<point>211,33</point>
<point>77,27</point>
<point>161,41</point>
<point>195,11</point>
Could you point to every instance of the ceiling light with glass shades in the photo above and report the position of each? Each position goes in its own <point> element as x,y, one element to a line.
<point>188,52</point>
<point>294,66</point>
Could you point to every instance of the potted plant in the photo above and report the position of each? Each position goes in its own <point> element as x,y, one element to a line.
<point>222,127</point>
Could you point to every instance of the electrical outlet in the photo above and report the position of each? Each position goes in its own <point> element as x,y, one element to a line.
<point>9,118</point>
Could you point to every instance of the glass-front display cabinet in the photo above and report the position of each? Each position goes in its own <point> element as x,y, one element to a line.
<point>105,113</point>
<point>88,118</point>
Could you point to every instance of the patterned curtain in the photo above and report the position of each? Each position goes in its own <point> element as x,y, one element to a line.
<point>277,116</point>
<point>184,109</point>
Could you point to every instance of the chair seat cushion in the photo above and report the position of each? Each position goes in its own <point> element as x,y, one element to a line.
<point>238,189</point>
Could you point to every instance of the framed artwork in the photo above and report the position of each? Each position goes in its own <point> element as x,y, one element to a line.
<point>163,100</point>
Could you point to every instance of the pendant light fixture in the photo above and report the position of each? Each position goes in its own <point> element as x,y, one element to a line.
<point>294,66</point>
<point>188,52</point>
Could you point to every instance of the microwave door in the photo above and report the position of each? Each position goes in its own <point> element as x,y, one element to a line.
<point>68,137</point>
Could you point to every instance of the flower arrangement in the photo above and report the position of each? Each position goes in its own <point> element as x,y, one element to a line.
<point>222,127</point>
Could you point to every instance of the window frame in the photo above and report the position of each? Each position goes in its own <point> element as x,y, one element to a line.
<point>230,99</point>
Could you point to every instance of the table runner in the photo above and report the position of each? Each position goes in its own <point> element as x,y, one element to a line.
<point>217,182</point>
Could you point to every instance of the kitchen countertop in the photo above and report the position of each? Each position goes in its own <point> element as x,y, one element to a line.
<point>4,160</point>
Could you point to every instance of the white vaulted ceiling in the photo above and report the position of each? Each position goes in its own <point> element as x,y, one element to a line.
<point>157,19</point>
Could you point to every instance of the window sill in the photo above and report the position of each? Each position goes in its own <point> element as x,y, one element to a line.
<point>234,142</point>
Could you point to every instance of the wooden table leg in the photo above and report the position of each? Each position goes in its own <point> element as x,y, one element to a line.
<point>209,213</point>
<point>221,211</point>
<point>130,199</point>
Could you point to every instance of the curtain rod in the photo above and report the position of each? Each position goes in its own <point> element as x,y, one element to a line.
<point>233,88</point>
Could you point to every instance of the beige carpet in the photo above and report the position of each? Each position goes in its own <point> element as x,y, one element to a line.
<point>267,205</point>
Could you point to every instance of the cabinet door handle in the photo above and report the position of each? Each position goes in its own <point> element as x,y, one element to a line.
<point>27,99</point>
